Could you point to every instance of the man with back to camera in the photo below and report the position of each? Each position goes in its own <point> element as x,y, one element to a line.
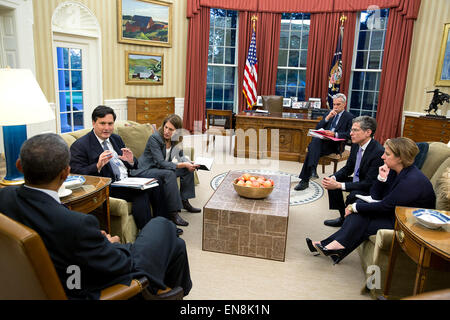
<point>74,238</point>
<point>336,123</point>
<point>363,163</point>
<point>103,153</point>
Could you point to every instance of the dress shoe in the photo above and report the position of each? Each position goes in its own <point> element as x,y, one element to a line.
<point>334,222</point>
<point>336,255</point>
<point>179,232</point>
<point>311,247</point>
<point>179,221</point>
<point>314,174</point>
<point>302,185</point>
<point>187,206</point>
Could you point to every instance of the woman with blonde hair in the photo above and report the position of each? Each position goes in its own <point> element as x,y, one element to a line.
<point>399,183</point>
<point>163,158</point>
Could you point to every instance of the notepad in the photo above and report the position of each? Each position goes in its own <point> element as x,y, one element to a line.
<point>136,183</point>
<point>367,198</point>
<point>205,163</point>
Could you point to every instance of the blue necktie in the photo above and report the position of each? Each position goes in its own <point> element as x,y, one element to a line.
<point>334,123</point>
<point>357,164</point>
<point>114,165</point>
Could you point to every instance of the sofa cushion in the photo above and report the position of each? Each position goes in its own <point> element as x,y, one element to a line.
<point>135,136</point>
<point>437,153</point>
<point>442,186</point>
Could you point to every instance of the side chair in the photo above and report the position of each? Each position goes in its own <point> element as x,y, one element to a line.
<point>216,124</point>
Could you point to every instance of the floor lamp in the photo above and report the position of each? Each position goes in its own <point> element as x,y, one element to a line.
<point>21,102</point>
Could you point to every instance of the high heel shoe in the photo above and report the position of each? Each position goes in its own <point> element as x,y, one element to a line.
<point>336,255</point>
<point>311,247</point>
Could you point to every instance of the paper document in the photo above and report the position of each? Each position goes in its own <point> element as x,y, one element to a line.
<point>205,163</point>
<point>262,111</point>
<point>366,198</point>
<point>136,183</point>
<point>320,135</point>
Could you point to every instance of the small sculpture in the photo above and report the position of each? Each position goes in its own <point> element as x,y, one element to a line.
<point>438,98</point>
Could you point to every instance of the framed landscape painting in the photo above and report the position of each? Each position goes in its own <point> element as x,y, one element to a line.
<point>443,68</point>
<point>145,22</point>
<point>144,68</point>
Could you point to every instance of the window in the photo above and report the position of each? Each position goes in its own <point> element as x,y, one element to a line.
<point>367,62</point>
<point>291,75</point>
<point>221,83</point>
<point>70,88</point>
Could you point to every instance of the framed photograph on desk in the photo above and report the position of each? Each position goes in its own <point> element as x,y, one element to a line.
<point>443,67</point>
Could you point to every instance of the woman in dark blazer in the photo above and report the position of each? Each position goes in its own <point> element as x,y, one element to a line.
<point>164,159</point>
<point>399,183</point>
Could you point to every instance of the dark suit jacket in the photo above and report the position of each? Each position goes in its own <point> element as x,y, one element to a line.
<point>342,128</point>
<point>154,155</point>
<point>86,150</point>
<point>71,238</point>
<point>368,169</point>
<point>410,188</point>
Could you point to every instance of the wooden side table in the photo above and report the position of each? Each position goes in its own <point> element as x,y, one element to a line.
<point>426,247</point>
<point>91,195</point>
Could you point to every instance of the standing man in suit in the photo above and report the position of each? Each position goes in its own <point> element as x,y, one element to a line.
<point>103,153</point>
<point>74,238</point>
<point>363,164</point>
<point>336,123</point>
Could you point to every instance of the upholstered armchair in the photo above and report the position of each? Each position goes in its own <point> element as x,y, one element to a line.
<point>135,137</point>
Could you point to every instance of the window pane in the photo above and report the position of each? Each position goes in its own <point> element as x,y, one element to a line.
<point>301,94</point>
<point>228,93</point>
<point>66,122</point>
<point>218,92</point>
<point>361,60</point>
<point>281,77</point>
<point>229,75</point>
<point>229,55</point>
<point>228,106</point>
<point>376,42</point>
<point>75,58</point>
<point>230,38</point>
<point>292,78</point>
<point>282,58</point>
<point>358,80</point>
<point>295,40</point>
<point>63,58</point>
<point>219,37</point>
<point>219,73</point>
<point>293,59</point>
<point>291,92</point>
<point>208,92</point>
<point>356,99</point>
<point>368,100</point>
<point>280,91</point>
<point>363,40</point>
<point>230,20</point>
<point>284,39</point>
<point>64,101</point>
<point>285,24</point>
<point>209,74</point>
<point>77,101</point>
<point>78,121</point>
<point>303,56</point>
<point>302,78</point>
<point>374,60</point>
<point>218,55</point>
<point>370,81</point>
<point>77,80</point>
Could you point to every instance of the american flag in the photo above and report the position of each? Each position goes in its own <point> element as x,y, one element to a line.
<point>251,73</point>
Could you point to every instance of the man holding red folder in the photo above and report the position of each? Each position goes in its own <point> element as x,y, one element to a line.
<point>337,123</point>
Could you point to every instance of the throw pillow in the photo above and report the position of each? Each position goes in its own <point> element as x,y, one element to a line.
<point>442,191</point>
<point>135,137</point>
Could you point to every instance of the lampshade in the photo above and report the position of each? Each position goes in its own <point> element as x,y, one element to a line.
<point>21,99</point>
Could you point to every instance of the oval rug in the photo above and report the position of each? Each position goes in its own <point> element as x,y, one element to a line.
<point>312,193</point>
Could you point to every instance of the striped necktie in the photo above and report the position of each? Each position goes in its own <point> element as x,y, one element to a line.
<point>114,165</point>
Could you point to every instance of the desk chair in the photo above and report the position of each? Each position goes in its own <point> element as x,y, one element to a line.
<point>28,273</point>
<point>273,103</point>
<point>335,157</point>
<point>216,121</point>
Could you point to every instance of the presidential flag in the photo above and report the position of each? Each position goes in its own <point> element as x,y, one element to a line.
<point>334,79</point>
<point>251,74</point>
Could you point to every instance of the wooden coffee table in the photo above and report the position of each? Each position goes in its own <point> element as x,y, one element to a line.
<point>426,247</point>
<point>91,195</point>
<point>247,227</point>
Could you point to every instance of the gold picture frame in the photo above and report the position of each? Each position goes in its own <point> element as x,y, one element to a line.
<point>144,68</point>
<point>443,66</point>
<point>145,22</point>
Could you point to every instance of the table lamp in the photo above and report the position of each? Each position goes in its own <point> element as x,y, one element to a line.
<point>22,102</point>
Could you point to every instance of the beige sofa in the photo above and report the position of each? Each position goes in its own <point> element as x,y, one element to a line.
<point>135,136</point>
<point>375,251</point>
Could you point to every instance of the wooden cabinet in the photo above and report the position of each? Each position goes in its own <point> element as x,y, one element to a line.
<point>422,129</point>
<point>150,110</point>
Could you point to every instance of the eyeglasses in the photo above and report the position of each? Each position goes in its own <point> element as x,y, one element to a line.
<point>355,130</point>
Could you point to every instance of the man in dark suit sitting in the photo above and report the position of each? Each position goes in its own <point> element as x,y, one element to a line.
<point>103,153</point>
<point>74,239</point>
<point>336,123</point>
<point>363,164</point>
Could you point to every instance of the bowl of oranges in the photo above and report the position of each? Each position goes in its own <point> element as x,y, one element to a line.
<point>253,187</point>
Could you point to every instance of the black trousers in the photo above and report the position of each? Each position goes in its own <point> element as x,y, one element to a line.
<point>316,149</point>
<point>161,256</point>
<point>358,228</point>
<point>336,199</point>
<point>172,194</point>
<point>143,201</point>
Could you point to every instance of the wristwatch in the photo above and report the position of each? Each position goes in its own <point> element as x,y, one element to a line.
<point>350,208</point>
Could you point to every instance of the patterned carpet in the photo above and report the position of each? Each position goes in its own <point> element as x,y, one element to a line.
<point>313,193</point>
<point>2,166</point>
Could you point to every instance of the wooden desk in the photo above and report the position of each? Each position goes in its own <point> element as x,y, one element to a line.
<point>426,247</point>
<point>91,195</point>
<point>293,140</point>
